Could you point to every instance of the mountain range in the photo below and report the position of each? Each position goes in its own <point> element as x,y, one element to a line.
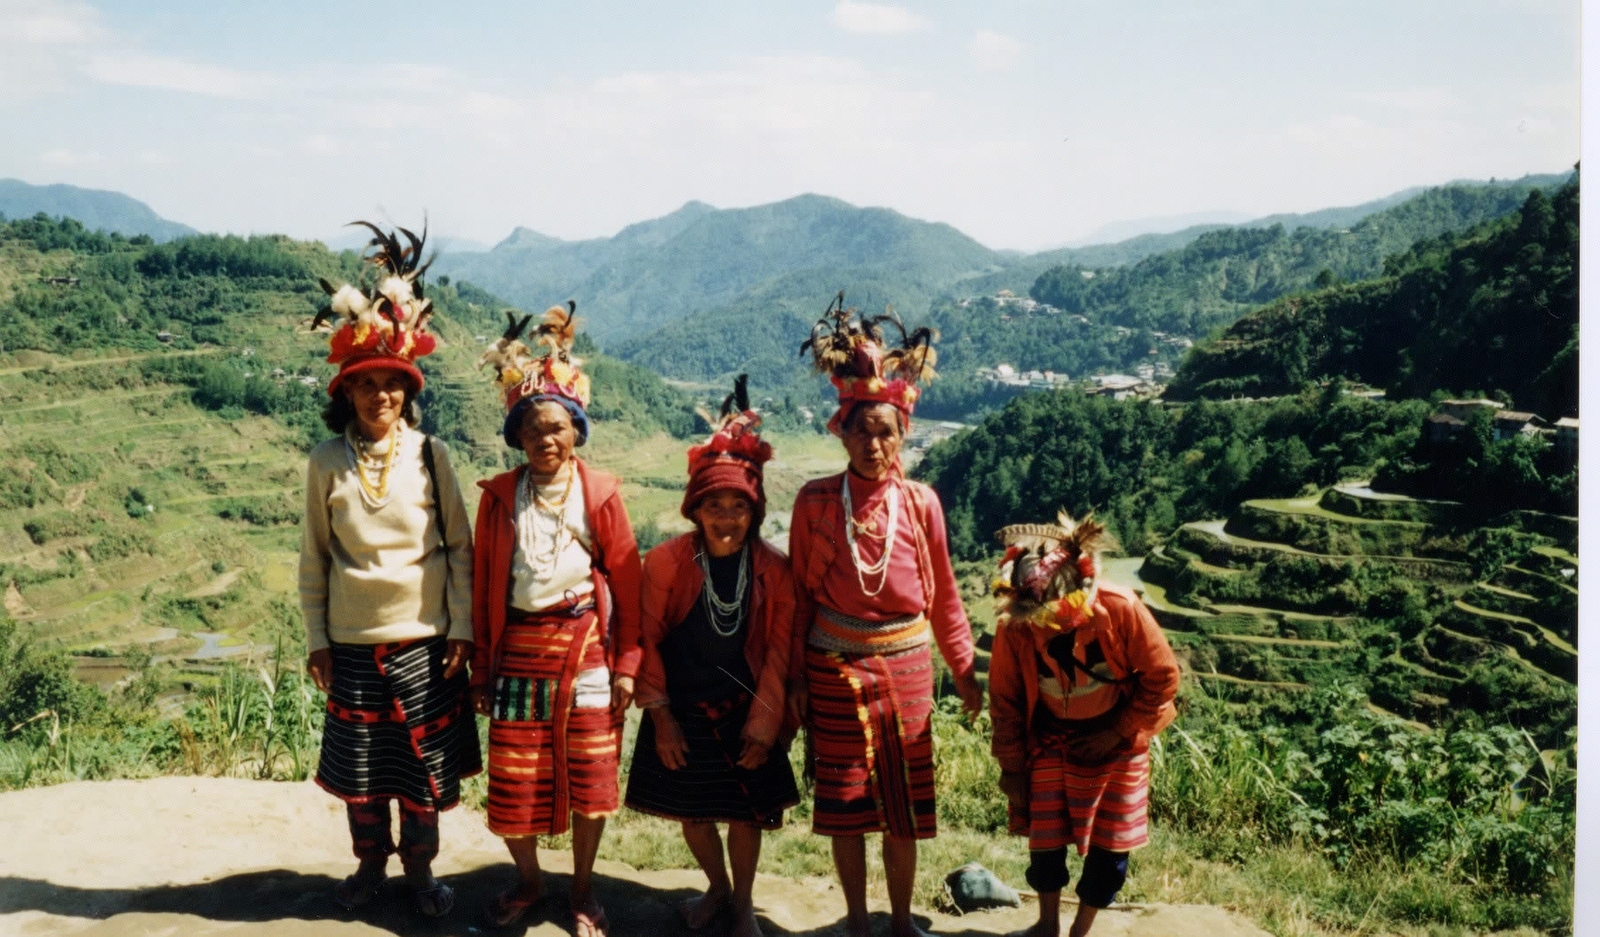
<point>96,209</point>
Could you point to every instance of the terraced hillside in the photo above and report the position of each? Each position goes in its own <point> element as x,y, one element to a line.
<point>1433,613</point>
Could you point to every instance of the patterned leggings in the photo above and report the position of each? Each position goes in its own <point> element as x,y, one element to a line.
<point>372,838</point>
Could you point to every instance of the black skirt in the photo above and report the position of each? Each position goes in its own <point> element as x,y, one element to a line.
<point>712,786</point>
<point>396,728</point>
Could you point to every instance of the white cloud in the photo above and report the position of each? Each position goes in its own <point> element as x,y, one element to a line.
<point>169,74</point>
<point>66,157</point>
<point>875,18</point>
<point>994,52</point>
<point>41,44</point>
<point>42,22</point>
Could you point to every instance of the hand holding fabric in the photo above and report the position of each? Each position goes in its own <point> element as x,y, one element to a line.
<point>319,664</point>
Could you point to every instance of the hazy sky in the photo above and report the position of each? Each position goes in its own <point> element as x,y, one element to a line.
<point>1025,124</point>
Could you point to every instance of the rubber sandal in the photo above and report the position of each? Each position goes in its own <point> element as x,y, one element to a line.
<point>357,890</point>
<point>435,901</point>
<point>506,909</point>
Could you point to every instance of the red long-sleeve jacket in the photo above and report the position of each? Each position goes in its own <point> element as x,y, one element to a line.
<point>1135,650</point>
<point>672,581</point>
<point>617,570</point>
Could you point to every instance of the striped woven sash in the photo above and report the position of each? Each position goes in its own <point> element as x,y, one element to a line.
<point>846,634</point>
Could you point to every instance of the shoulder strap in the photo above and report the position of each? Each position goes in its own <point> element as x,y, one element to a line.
<point>433,476</point>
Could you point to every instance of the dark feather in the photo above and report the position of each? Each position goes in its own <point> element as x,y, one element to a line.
<point>514,328</point>
<point>323,315</point>
<point>741,392</point>
<point>327,287</point>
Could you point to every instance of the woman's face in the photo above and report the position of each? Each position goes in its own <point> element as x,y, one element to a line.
<point>872,439</point>
<point>548,437</point>
<point>379,398</point>
<point>724,519</point>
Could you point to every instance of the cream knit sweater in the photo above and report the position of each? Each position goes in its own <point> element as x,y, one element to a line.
<point>371,575</point>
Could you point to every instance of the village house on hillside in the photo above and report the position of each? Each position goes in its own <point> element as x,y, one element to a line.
<point>1450,418</point>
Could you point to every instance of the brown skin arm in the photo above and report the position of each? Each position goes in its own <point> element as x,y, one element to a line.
<point>753,755</point>
<point>971,693</point>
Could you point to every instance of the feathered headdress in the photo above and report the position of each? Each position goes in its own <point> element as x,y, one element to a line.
<point>1050,573</point>
<point>555,374</point>
<point>733,457</point>
<point>383,325</point>
<point>851,350</point>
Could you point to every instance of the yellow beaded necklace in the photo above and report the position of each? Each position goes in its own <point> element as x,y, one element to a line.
<point>380,491</point>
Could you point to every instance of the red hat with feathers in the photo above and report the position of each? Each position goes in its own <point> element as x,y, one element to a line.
<point>733,458</point>
<point>852,351</point>
<point>386,325</point>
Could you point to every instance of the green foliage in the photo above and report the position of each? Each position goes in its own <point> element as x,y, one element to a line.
<point>1495,306</point>
<point>1146,468</point>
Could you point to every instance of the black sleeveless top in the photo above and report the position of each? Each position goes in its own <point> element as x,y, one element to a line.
<point>702,665</point>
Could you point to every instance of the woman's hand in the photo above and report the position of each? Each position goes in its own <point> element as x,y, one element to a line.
<point>1014,784</point>
<point>456,655</point>
<point>670,745</point>
<point>754,754</point>
<point>799,701</point>
<point>481,700</point>
<point>319,664</point>
<point>621,693</point>
<point>971,693</point>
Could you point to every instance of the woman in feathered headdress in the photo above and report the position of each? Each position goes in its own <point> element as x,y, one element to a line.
<point>386,584</point>
<point>556,618</point>
<point>717,610</point>
<point>873,586</point>
<point>1080,679</point>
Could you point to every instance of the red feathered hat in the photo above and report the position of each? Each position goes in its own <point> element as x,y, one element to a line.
<point>732,459</point>
<point>851,350</point>
<point>385,326</point>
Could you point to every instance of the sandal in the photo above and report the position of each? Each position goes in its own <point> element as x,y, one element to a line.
<point>434,901</point>
<point>507,909</point>
<point>590,923</point>
<point>358,890</point>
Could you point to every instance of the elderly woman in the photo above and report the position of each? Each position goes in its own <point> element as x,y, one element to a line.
<point>556,618</point>
<point>873,580</point>
<point>717,609</point>
<point>385,587</point>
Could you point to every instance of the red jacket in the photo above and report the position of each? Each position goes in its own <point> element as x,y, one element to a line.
<point>616,568</point>
<point>1134,647</point>
<point>672,581</point>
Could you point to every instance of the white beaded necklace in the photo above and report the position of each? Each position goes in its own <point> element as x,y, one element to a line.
<point>542,562</point>
<point>359,450</point>
<point>725,617</point>
<point>880,567</point>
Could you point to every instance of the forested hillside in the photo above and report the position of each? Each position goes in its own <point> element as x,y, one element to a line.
<point>1491,309</point>
<point>700,258</point>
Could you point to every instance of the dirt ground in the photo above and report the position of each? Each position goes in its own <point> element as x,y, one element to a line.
<point>212,856</point>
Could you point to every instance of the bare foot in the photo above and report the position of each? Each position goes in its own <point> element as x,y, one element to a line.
<point>857,927</point>
<point>745,924</point>
<point>589,919</point>
<point>1040,929</point>
<point>699,911</point>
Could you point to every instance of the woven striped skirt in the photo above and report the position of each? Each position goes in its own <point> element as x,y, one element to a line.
<point>1105,805</point>
<point>548,757</point>
<point>711,786</point>
<point>872,742</point>
<point>396,728</point>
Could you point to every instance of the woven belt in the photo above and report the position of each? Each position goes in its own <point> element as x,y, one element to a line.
<point>836,631</point>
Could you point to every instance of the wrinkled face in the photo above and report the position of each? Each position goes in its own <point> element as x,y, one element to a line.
<point>724,520</point>
<point>548,437</point>
<point>872,439</point>
<point>379,398</point>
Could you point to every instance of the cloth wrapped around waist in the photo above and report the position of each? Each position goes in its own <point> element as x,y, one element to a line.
<point>537,656</point>
<point>846,634</point>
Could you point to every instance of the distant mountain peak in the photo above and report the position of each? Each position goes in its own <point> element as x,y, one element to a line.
<point>95,209</point>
